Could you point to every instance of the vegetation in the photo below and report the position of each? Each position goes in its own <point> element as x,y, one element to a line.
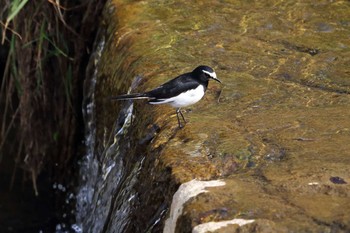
<point>44,50</point>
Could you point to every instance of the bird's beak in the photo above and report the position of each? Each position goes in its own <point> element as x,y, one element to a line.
<point>213,76</point>
<point>218,80</point>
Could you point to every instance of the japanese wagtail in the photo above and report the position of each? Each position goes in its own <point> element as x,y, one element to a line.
<point>182,91</point>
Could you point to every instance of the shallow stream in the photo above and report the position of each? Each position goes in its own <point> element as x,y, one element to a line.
<point>277,130</point>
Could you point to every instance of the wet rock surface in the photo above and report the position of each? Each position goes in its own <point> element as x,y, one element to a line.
<point>276,132</point>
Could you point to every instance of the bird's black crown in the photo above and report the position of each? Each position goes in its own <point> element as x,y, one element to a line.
<point>200,69</point>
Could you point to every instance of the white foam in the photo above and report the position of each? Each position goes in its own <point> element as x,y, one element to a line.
<point>212,226</point>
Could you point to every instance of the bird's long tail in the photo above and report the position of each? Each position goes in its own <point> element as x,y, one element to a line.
<point>135,96</point>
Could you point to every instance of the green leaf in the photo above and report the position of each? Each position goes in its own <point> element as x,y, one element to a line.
<point>16,6</point>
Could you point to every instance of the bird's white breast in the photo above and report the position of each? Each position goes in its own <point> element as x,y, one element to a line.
<point>184,99</point>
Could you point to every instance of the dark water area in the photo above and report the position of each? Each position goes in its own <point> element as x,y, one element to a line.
<point>22,211</point>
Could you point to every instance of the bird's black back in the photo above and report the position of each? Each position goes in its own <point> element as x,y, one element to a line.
<point>176,86</point>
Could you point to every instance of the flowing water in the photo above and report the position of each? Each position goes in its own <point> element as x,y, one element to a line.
<point>277,130</point>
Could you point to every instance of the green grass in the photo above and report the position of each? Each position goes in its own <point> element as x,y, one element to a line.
<point>39,97</point>
<point>13,10</point>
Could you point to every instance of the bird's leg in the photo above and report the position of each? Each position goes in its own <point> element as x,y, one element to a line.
<point>183,118</point>
<point>178,111</point>
<point>178,119</point>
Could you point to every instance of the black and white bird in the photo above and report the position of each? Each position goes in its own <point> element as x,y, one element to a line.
<point>182,91</point>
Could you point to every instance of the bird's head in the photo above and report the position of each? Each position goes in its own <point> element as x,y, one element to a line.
<point>206,72</point>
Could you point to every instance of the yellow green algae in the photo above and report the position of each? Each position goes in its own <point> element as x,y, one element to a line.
<point>277,130</point>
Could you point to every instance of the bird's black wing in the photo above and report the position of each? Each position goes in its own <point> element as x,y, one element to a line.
<point>173,87</point>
